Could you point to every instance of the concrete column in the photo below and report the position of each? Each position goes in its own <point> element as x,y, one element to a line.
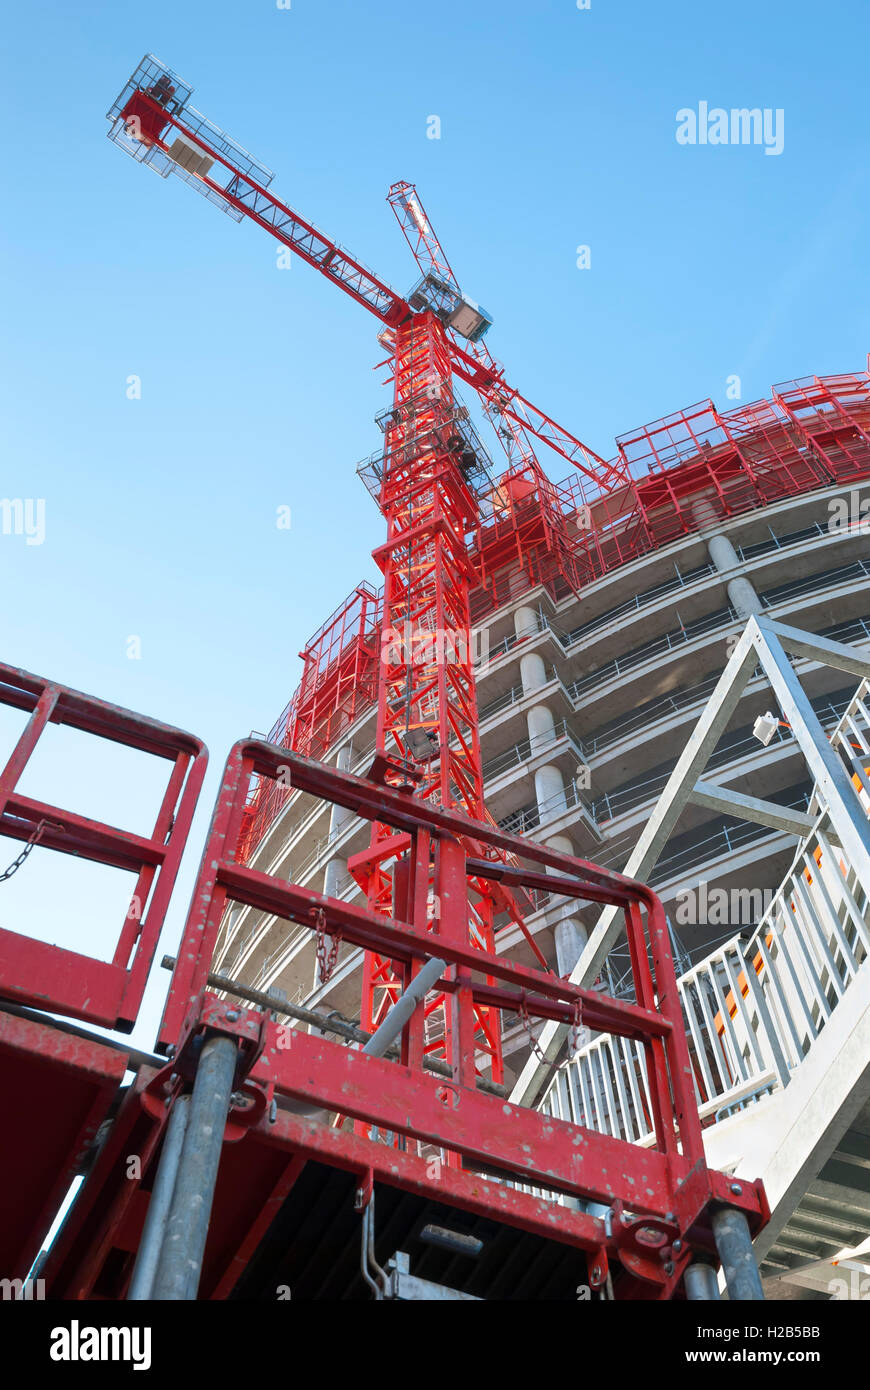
<point>743,597</point>
<point>339,815</point>
<point>525,622</point>
<point>704,514</point>
<point>741,592</point>
<point>561,844</point>
<point>550,790</point>
<point>336,870</point>
<point>570,936</point>
<point>569,933</point>
<point>533,672</point>
<point>541,725</point>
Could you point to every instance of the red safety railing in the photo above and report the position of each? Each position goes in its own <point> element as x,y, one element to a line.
<point>667,1187</point>
<point>54,978</point>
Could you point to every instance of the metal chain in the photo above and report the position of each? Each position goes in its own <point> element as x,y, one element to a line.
<point>325,959</point>
<point>524,1020</point>
<point>574,1044</point>
<point>35,837</point>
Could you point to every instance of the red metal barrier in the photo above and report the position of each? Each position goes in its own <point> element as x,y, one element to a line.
<point>667,1189</point>
<point>50,977</point>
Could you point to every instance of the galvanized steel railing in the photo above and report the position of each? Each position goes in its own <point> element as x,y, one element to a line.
<point>752,1007</point>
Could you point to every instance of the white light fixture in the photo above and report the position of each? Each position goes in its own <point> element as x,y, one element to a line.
<point>765,727</point>
<point>422,744</point>
<point>415,212</point>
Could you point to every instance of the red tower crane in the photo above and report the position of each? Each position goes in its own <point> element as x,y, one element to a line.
<point>426,483</point>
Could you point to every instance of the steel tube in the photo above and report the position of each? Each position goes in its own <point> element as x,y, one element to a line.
<point>161,1200</point>
<point>457,1242</point>
<point>180,1263</point>
<point>701,1283</point>
<point>324,1023</point>
<point>379,1042</point>
<point>734,1243</point>
<point>398,1016</point>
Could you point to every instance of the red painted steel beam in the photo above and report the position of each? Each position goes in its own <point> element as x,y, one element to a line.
<point>59,980</point>
<point>23,690</point>
<point>73,834</point>
<point>455,1187</point>
<point>539,1149</point>
<point>406,813</point>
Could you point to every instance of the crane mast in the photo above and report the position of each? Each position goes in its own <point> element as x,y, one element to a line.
<point>426,699</point>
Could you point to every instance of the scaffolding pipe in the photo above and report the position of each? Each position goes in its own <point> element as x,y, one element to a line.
<point>379,1042</point>
<point>324,1023</point>
<point>425,979</point>
<point>161,1200</point>
<point>180,1263</point>
<point>701,1283</point>
<point>734,1243</point>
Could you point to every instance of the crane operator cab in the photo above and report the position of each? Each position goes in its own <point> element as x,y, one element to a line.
<point>452,307</point>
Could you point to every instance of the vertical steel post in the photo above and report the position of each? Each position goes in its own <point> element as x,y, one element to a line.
<point>180,1263</point>
<point>154,1229</point>
<point>701,1283</point>
<point>734,1243</point>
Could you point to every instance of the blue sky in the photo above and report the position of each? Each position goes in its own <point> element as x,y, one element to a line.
<point>258,390</point>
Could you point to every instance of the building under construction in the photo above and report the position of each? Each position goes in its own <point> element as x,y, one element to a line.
<point>528,951</point>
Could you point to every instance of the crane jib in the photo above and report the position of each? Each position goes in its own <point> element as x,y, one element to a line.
<point>154,107</point>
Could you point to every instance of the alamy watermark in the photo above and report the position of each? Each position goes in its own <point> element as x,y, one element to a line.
<point>850,513</point>
<point>22,1290</point>
<point>851,1284</point>
<point>714,125</point>
<point>722,907</point>
<point>77,1343</point>
<point>412,646</point>
<point>23,516</point>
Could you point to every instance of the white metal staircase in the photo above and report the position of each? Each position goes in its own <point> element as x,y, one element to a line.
<point>779,1036</point>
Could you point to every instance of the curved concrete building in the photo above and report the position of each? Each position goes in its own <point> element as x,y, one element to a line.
<point>603,624</point>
